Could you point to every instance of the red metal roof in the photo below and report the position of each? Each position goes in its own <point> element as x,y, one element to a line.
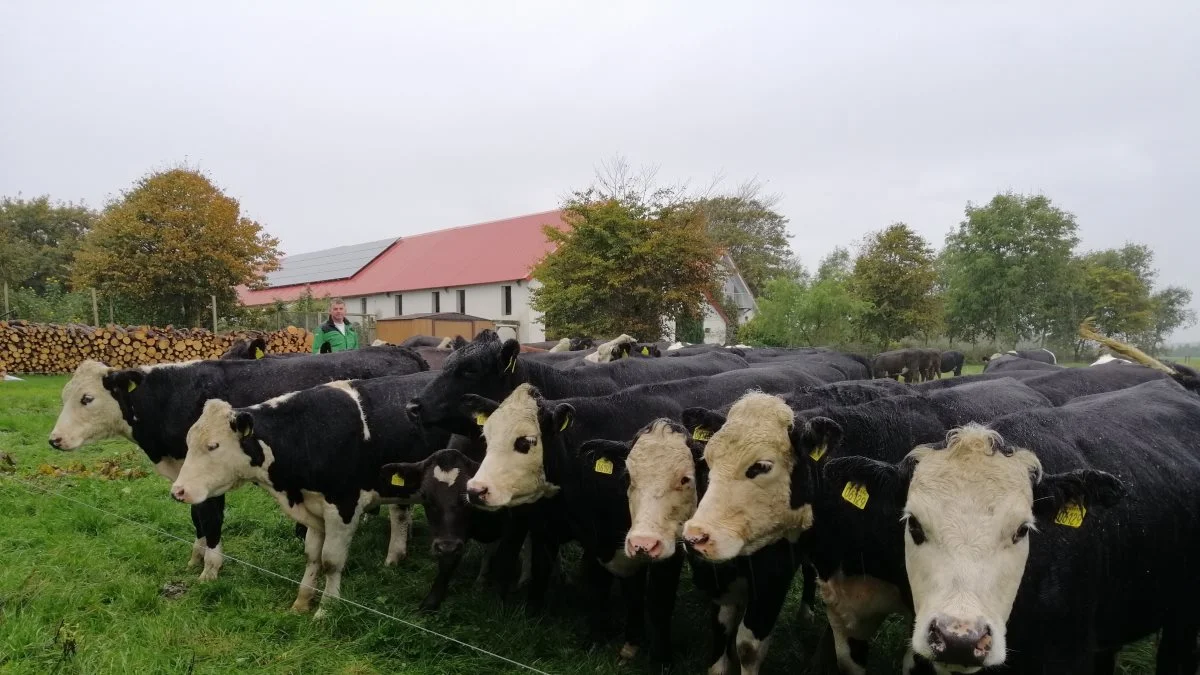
<point>500,250</point>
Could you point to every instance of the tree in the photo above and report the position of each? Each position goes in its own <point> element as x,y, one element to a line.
<point>44,236</point>
<point>746,225</point>
<point>894,274</point>
<point>1118,280</point>
<point>1004,268</point>
<point>791,312</point>
<point>170,243</point>
<point>624,267</point>
<point>1170,313</point>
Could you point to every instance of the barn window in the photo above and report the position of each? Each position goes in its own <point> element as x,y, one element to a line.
<point>364,306</point>
<point>437,302</point>
<point>506,300</point>
<point>462,302</point>
<point>399,304</point>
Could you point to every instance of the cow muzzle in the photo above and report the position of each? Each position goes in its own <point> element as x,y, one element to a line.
<point>644,546</point>
<point>181,494</point>
<point>959,642</point>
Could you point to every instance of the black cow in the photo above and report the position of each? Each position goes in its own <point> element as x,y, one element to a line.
<point>439,483</point>
<point>911,363</point>
<point>156,405</point>
<point>318,452</point>
<point>862,571</point>
<point>1060,385</point>
<point>952,361</point>
<point>250,348</point>
<point>493,370</point>
<point>422,341</point>
<point>1110,481</point>
<point>1001,362</point>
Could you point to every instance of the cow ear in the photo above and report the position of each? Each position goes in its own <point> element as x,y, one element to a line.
<point>560,417</point>
<point>508,356</point>
<point>816,438</point>
<point>459,343</point>
<point>1065,498</point>
<point>702,423</point>
<point>605,457</point>
<point>123,381</point>
<point>403,477</point>
<point>869,482</point>
<point>624,349</point>
<point>242,424</point>
<point>478,408</point>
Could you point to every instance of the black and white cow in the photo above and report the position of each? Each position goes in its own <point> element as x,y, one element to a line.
<point>493,369</point>
<point>154,406</point>
<point>1000,362</point>
<point>318,452</point>
<point>766,485</point>
<point>439,483</point>
<point>1041,355</point>
<point>1020,549</point>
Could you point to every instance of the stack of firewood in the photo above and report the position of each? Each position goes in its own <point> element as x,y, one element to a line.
<point>59,348</point>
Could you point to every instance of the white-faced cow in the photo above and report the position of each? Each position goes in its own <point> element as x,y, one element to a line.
<point>1020,549</point>
<point>318,452</point>
<point>765,485</point>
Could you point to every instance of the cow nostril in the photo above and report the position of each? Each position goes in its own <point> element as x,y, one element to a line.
<point>984,645</point>
<point>937,642</point>
<point>698,539</point>
<point>55,443</point>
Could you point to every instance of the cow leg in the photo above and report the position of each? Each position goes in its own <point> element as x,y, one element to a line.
<point>633,592</point>
<point>544,553</point>
<point>807,614</point>
<point>726,615</point>
<point>1177,646</point>
<point>400,517</point>
<point>314,540</point>
<point>597,583</point>
<point>662,586</point>
<point>856,607</point>
<point>210,516</point>
<point>767,594</point>
<point>335,551</point>
<point>199,545</point>
<point>447,564</point>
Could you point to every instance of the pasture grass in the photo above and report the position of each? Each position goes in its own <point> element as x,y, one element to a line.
<point>82,591</point>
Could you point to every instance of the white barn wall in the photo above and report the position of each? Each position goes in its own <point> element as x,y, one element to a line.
<point>484,300</point>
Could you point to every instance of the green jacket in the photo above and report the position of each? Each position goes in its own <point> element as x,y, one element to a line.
<point>330,339</point>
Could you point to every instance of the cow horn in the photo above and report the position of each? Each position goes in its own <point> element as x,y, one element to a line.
<point>1087,332</point>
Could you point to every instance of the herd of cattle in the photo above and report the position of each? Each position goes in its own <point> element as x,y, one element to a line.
<point>1033,518</point>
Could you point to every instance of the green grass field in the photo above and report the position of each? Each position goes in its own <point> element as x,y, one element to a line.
<point>83,591</point>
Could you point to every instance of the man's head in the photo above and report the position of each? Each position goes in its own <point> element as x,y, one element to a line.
<point>337,310</point>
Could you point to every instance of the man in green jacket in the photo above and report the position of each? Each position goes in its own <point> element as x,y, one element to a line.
<point>336,334</point>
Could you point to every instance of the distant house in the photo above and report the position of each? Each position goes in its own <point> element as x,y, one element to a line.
<point>482,270</point>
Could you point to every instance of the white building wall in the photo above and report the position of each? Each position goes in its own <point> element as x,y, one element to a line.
<point>484,300</point>
<point>714,326</point>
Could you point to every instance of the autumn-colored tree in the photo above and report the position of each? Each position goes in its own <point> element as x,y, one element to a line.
<point>624,267</point>
<point>170,243</point>
<point>895,275</point>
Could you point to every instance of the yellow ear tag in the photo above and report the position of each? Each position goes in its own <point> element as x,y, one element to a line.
<point>856,494</point>
<point>258,353</point>
<point>818,452</point>
<point>604,466</point>
<point>132,385</point>
<point>246,433</point>
<point>1071,514</point>
<point>397,480</point>
<point>566,423</point>
<point>645,351</point>
<point>480,418</point>
<point>701,434</point>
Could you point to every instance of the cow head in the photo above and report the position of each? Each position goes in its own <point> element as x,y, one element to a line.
<point>485,367</point>
<point>969,509</point>
<point>662,487</point>
<point>440,483</point>
<point>222,453</point>
<point>91,410</point>
<point>517,433</point>
<point>748,501</point>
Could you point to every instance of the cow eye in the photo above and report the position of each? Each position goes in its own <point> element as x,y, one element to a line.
<point>87,398</point>
<point>758,468</point>
<point>214,445</point>
<point>523,444</point>
<point>685,480</point>
<point>1021,533</point>
<point>916,531</point>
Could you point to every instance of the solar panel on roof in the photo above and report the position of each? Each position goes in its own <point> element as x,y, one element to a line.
<point>332,263</point>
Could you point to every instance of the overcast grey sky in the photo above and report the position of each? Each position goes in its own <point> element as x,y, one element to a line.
<point>335,123</point>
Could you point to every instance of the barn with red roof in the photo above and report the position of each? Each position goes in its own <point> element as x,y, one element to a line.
<point>482,270</point>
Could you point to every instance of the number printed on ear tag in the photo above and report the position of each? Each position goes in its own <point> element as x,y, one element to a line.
<point>604,465</point>
<point>856,494</point>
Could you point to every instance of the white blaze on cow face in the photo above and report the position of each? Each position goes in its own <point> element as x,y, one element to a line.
<point>662,491</point>
<point>512,472</point>
<point>747,504</point>
<point>969,512</point>
<point>215,462</point>
<point>89,412</point>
